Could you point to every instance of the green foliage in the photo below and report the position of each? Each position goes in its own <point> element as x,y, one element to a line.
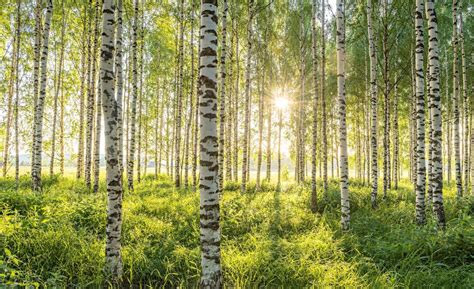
<point>270,239</point>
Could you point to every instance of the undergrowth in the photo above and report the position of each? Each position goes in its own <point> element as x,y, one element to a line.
<point>269,239</point>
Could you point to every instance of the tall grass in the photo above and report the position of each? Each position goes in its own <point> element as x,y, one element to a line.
<point>269,239</point>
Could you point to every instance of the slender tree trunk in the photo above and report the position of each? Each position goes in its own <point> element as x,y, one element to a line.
<point>91,102</point>
<point>236,105</point>
<point>189,125</point>
<point>209,181</point>
<point>245,155</point>
<point>373,101</point>
<point>119,80</point>
<point>466,102</point>
<point>386,137</point>
<point>420,115</point>
<point>158,120</point>
<point>140,99</point>
<point>323,97</point>
<point>314,196</point>
<point>10,108</point>
<point>36,67</point>
<point>98,122</point>
<point>341,90</point>
<point>222,97</point>
<point>111,131</point>
<point>133,112</point>
<point>160,138</point>
<point>269,137</point>
<point>60,89</point>
<point>196,117</point>
<point>55,117</point>
<point>229,114</point>
<point>177,176</point>
<point>436,137</point>
<point>39,108</point>
<point>261,96</point>
<point>280,125</point>
<point>396,153</point>
<point>17,94</point>
<point>457,152</point>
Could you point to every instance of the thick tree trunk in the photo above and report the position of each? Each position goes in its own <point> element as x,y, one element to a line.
<point>434,94</point>
<point>39,107</point>
<point>209,187</point>
<point>113,168</point>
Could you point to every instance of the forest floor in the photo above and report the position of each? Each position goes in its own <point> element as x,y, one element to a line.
<point>269,239</point>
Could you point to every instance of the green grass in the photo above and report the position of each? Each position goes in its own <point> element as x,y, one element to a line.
<point>270,239</point>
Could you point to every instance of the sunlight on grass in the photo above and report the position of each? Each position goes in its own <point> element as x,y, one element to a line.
<point>270,239</point>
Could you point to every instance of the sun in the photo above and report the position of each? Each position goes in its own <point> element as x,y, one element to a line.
<point>281,102</point>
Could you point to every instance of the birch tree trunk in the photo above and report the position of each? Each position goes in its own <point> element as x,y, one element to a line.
<point>323,97</point>
<point>119,80</point>
<point>196,119</point>
<point>36,66</point>
<point>39,107</point>
<point>314,196</point>
<point>222,97</point>
<point>111,132</point>
<point>236,105</point>
<point>386,136</point>
<point>245,145</point>
<point>91,99</point>
<point>17,94</point>
<point>434,94</point>
<point>209,180</point>
<point>466,102</point>
<point>373,101</point>
<point>10,108</point>
<point>98,119</point>
<point>341,91</point>
<point>420,115</point>
<point>177,176</point>
<point>133,113</point>
<point>457,150</point>
<point>61,102</point>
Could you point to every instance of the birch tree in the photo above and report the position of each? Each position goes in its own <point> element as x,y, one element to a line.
<point>209,181</point>
<point>341,91</point>
<point>112,145</point>
<point>420,115</point>
<point>39,106</point>
<point>373,101</point>
<point>457,141</point>
<point>434,94</point>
